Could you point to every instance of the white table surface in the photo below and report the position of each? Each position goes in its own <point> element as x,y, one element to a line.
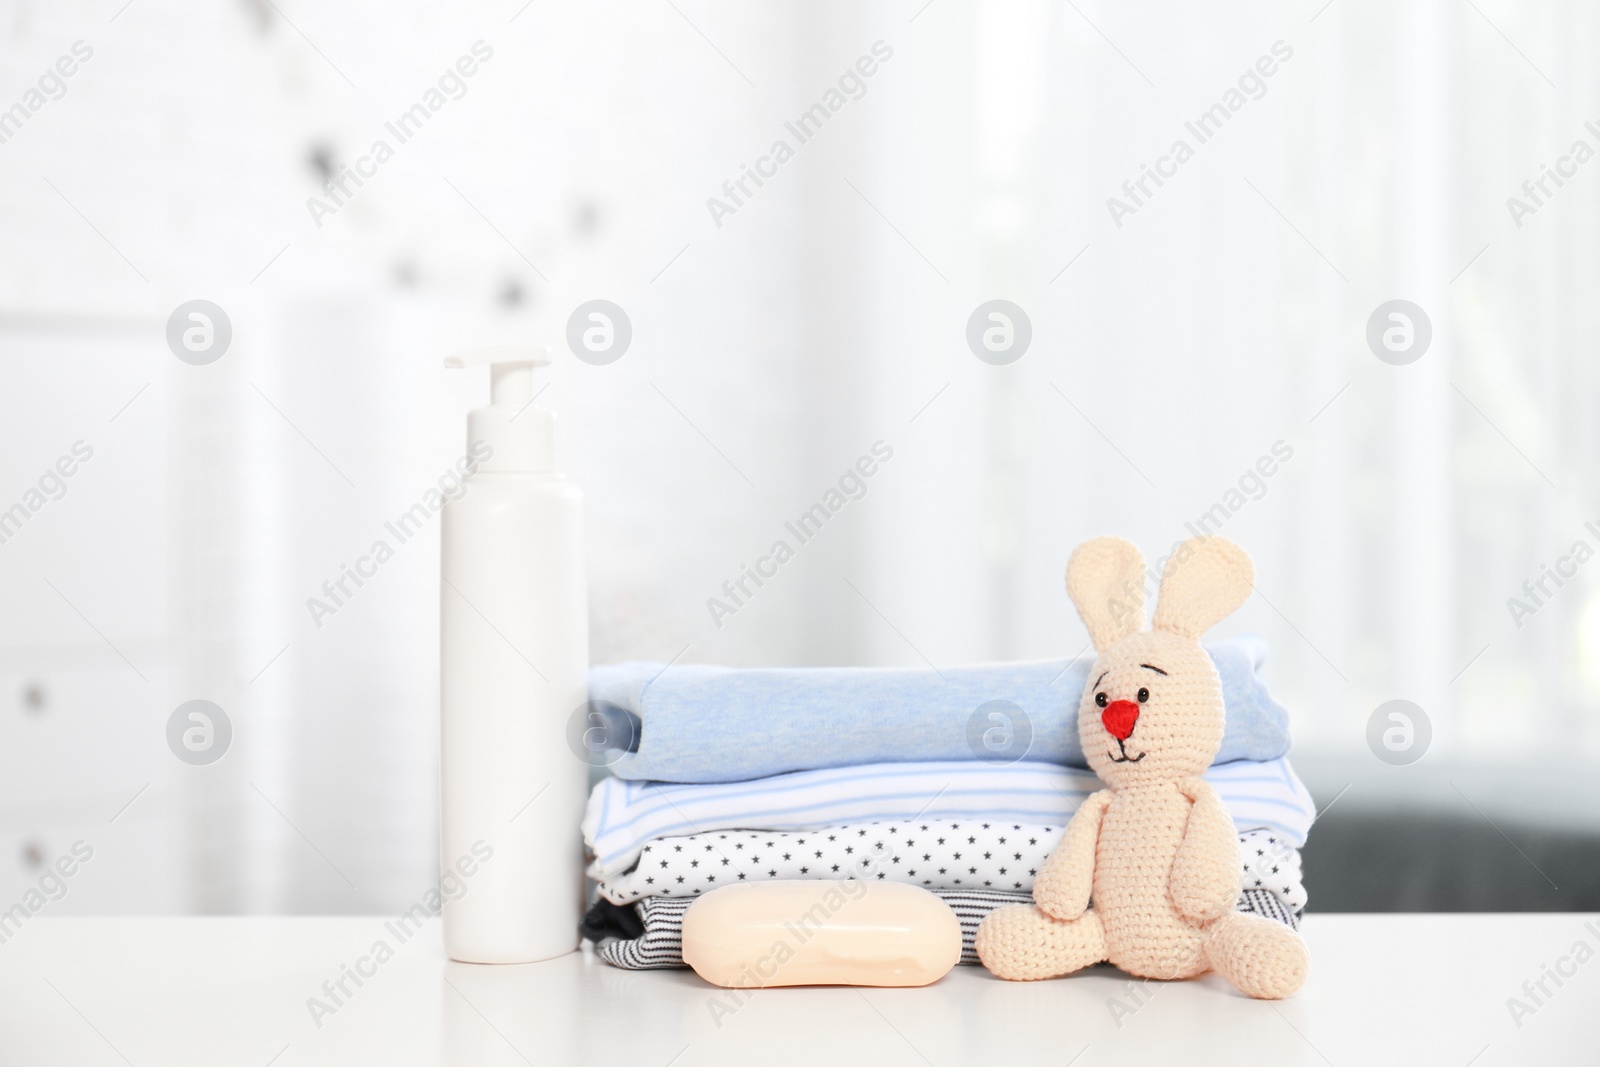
<point>1402,989</point>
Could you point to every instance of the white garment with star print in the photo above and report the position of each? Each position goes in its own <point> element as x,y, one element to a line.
<point>956,854</point>
<point>1272,863</point>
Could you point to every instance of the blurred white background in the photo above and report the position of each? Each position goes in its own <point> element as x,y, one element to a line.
<point>1172,348</point>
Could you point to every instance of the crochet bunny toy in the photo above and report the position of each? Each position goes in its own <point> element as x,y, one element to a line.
<point>1156,850</point>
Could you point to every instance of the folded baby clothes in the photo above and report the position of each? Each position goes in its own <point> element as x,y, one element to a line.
<point>935,854</point>
<point>649,935</point>
<point>623,817</point>
<point>718,724</point>
<point>939,855</point>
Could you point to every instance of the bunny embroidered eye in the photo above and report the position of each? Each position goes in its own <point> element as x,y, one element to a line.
<point>1100,700</point>
<point>1144,695</point>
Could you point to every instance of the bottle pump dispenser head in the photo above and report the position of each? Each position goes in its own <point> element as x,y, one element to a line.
<point>519,437</point>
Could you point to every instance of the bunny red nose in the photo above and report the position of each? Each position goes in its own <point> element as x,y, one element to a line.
<point>1119,718</point>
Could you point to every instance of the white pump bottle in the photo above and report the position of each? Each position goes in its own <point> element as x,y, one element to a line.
<point>514,652</point>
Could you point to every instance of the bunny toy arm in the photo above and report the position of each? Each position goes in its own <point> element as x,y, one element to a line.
<point>1206,875</point>
<point>1065,881</point>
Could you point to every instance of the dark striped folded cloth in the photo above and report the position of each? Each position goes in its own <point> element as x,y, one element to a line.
<point>649,935</point>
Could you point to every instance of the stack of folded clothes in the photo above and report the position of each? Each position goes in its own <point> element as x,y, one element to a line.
<point>733,775</point>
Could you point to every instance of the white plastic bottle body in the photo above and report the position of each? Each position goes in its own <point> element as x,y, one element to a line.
<point>513,660</point>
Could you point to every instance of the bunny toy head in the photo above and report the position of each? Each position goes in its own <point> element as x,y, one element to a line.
<point>1152,711</point>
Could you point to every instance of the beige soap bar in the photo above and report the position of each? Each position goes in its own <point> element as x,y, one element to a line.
<point>820,933</point>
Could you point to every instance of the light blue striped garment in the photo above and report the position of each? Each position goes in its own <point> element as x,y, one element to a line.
<point>623,816</point>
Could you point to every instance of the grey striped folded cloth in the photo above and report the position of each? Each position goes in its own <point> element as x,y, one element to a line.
<point>649,935</point>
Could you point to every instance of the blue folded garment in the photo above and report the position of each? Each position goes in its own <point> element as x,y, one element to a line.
<point>622,818</point>
<point>689,723</point>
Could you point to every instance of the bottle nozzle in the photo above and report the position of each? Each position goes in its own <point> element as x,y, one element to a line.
<point>510,369</point>
<point>511,382</point>
<point>535,355</point>
<point>519,442</point>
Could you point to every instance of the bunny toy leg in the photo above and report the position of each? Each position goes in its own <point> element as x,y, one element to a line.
<point>1020,943</point>
<point>1263,958</point>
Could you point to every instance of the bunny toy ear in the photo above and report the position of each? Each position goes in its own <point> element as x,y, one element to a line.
<point>1206,579</point>
<point>1105,579</point>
